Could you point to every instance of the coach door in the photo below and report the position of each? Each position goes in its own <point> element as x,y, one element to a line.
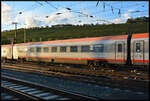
<point>120,51</point>
<point>138,52</point>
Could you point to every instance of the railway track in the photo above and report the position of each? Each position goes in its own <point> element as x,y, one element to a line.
<point>109,73</point>
<point>26,90</point>
<point>100,80</point>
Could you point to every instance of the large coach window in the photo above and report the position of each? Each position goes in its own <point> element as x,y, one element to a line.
<point>54,49</point>
<point>98,48</point>
<point>138,49</point>
<point>119,47</point>
<point>38,49</point>
<point>63,49</point>
<point>31,50</point>
<point>46,49</point>
<point>73,49</point>
<point>85,48</point>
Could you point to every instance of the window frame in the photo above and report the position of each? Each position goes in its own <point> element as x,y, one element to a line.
<point>32,50</point>
<point>45,48</point>
<point>38,48</point>
<point>72,49</point>
<point>53,48</point>
<point>138,49</point>
<point>61,48</point>
<point>100,50</point>
<point>120,49</point>
<point>85,46</point>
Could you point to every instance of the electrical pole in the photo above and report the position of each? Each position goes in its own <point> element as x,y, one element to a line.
<point>12,41</point>
<point>40,39</point>
<point>15,38</point>
<point>24,35</point>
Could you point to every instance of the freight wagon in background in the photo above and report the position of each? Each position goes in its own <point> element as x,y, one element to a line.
<point>132,49</point>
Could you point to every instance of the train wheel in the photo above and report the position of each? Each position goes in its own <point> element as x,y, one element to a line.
<point>18,59</point>
<point>52,62</point>
<point>4,60</point>
<point>90,65</point>
<point>22,60</point>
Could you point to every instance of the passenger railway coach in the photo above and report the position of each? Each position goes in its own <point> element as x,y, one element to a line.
<point>132,49</point>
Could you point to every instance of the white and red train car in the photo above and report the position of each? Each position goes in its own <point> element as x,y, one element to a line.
<point>132,49</point>
<point>6,51</point>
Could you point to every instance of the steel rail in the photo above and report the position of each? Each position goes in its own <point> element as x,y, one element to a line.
<point>54,91</point>
<point>109,74</point>
<point>18,94</point>
<point>100,80</point>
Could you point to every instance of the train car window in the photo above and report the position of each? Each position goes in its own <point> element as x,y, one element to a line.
<point>31,50</point>
<point>119,47</point>
<point>46,49</point>
<point>98,48</point>
<point>73,48</point>
<point>54,49</point>
<point>85,48</point>
<point>38,49</point>
<point>138,49</point>
<point>63,49</point>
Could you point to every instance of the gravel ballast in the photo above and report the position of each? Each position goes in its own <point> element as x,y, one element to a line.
<point>103,92</point>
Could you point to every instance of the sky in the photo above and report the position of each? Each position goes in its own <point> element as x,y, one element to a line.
<point>30,14</point>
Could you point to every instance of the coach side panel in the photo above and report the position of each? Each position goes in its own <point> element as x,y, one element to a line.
<point>107,52</point>
<point>140,51</point>
<point>6,52</point>
<point>19,51</point>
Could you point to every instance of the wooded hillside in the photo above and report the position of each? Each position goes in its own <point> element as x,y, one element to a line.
<point>60,32</point>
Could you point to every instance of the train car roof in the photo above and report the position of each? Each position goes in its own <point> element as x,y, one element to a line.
<point>18,44</point>
<point>142,35</point>
<point>29,43</point>
<point>117,37</point>
<point>6,45</point>
<point>120,37</point>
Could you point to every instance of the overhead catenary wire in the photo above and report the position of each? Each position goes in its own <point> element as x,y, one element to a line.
<point>120,11</point>
<point>105,7</point>
<point>40,3</point>
<point>86,15</point>
<point>97,3</point>
<point>117,8</point>
<point>51,5</point>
